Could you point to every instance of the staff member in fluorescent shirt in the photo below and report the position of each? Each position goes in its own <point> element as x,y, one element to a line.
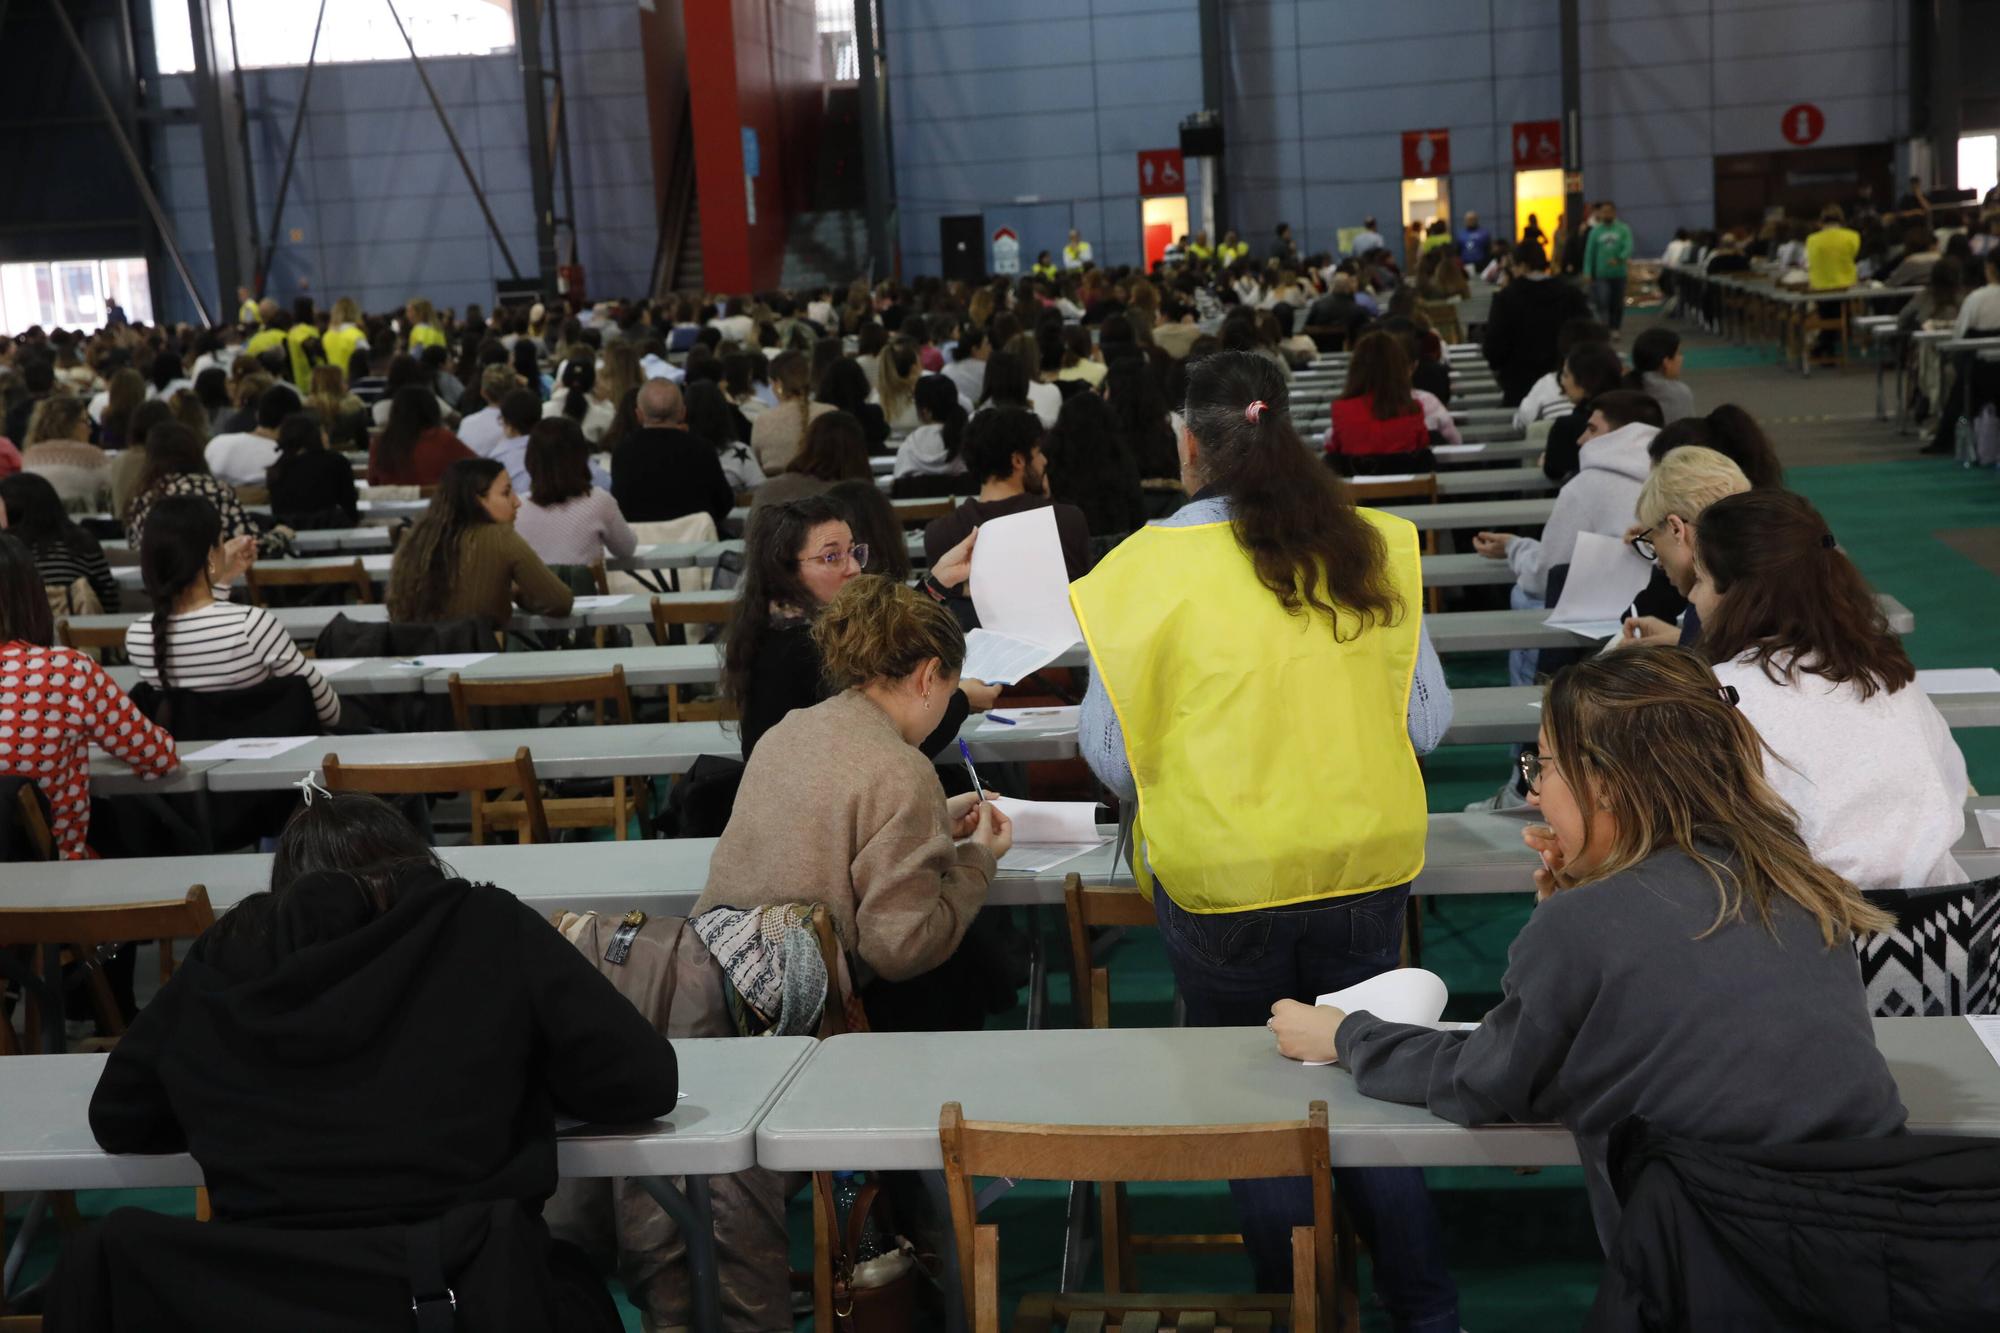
<point>1260,687</point>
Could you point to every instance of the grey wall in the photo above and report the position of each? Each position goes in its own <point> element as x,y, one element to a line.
<point>381,202</point>
<point>1318,95</point>
<point>1043,99</point>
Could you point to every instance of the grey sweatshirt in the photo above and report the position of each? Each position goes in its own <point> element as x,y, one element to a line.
<point>1602,497</point>
<point>1612,1007</point>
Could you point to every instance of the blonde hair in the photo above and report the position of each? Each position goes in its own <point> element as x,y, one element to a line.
<point>54,418</point>
<point>420,310</point>
<point>187,410</point>
<point>1648,734</point>
<point>246,391</point>
<point>329,393</point>
<point>1688,480</point>
<point>345,311</point>
<point>897,371</point>
<point>622,373</point>
<point>877,628</point>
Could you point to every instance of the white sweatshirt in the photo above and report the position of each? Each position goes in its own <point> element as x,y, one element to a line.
<point>1879,784</point>
<point>1602,497</point>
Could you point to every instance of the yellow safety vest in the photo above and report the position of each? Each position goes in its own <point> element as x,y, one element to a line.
<point>1076,256</point>
<point>1231,253</point>
<point>1045,271</point>
<point>426,335</point>
<point>1273,759</point>
<point>1199,251</point>
<point>247,313</point>
<point>301,368</point>
<point>340,343</point>
<point>263,340</point>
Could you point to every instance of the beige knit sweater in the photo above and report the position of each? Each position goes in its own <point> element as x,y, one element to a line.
<point>837,808</point>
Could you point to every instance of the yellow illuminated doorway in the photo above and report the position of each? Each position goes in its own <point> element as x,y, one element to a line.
<point>1537,194</point>
<point>1162,221</point>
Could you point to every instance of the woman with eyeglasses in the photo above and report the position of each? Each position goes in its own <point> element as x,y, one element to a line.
<point>798,555</point>
<point>1685,938</point>
<point>1856,747</point>
<point>1680,487</point>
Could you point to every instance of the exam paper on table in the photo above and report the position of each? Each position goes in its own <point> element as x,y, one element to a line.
<point>1987,1026</point>
<point>444,661</point>
<point>1033,858</point>
<point>1452,451</point>
<point>1604,576</point>
<point>1959,680</point>
<point>333,666</point>
<point>596,601</point>
<point>1002,659</point>
<point>250,747</point>
<point>1405,995</point>
<point>1020,586</point>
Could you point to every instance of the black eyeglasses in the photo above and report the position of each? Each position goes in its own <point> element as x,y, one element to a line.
<point>1644,545</point>
<point>1531,769</point>
<point>835,559</point>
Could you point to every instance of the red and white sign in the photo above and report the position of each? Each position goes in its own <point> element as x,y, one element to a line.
<point>1803,124</point>
<point>1006,251</point>
<point>1538,145</point>
<point>1426,153</point>
<point>1161,171</point>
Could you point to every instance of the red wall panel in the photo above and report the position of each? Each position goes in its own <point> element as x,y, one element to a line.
<point>752,64</point>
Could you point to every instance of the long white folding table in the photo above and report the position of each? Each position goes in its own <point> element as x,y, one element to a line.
<point>728,1086</point>
<point>1476,852</point>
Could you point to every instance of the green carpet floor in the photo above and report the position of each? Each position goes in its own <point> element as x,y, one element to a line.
<point>1520,1245</point>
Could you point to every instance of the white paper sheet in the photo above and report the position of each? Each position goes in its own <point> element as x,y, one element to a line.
<point>1960,680</point>
<point>1989,826</point>
<point>1604,576</point>
<point>333,666</point>
<point>596,601</point>
<point>444,661</point>
<point>1034,858</point>
<point>1372,479</point>
<point>1988,1028</point>
<point>1051,821</point>
<point>1020,585</point>
<point>1002,659</point>
<point>1457,450</point>
<point>1001,721</point>
<point>1406,995</point>
<point>250,747</point>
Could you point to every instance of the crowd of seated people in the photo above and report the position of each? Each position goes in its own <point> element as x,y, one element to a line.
<point>1704,778</point>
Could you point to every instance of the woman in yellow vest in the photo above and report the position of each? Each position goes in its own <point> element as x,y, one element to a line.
<point>1231,250</point>
<point>344,337</point>
<point>1261,685</point>
<point>417,316</point>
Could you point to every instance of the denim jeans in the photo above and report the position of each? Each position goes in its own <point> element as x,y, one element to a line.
<point>1230,968</point>
<point>1609,293</point>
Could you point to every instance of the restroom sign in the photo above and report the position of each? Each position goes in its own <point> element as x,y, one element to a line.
<point>1426,153</point>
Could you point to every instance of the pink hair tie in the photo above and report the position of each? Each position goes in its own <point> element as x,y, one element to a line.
<point>1255,412</point>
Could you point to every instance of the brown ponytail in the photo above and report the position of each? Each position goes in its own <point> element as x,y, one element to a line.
<point>877,629</point>
<point>1292,516</point>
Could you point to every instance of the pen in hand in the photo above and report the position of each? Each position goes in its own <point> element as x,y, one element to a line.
<point>965,753</point>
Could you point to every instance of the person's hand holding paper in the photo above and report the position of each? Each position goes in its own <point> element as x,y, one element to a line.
<point>1604,576</point>
<point>1020,588</point>
<point>1306,1032</point>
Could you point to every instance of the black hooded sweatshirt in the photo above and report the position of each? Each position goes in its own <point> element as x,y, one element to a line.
<point>330,1066</point>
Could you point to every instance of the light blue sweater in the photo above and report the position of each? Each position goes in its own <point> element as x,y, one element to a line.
<point>1102,739</point>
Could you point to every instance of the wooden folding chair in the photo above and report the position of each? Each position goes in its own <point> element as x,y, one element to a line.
<point>1424,488</point>
<point>111,639</point>
<point>34,825</point>
<point>912,512</point>
<point>1110,1155</point>
<point>349,577</point>
<point>1817,322</point>
<point>607,698</point>
<point>474,777</point>
<point>61,936</point>
<point>667,615</point>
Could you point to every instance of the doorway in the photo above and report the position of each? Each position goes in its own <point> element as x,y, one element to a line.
<point>1162,222</point>
<point>1537,195</point>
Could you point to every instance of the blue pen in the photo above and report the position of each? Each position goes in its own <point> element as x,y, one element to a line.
<point>1003,721</point>
<point>965,752</point>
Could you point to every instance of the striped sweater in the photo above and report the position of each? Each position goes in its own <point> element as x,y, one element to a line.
<point>226,646</point>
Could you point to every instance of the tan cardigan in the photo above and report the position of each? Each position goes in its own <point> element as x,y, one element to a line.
<point>779,433</point>
<point>837,808</point>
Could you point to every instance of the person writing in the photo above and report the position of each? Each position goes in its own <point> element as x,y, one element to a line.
<point>1270,617</point>
<point>1670,869</point>
<point>839,806</point>
<point>1679,490</point>
<point>1859,751</point>
<point>1380,424</point>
